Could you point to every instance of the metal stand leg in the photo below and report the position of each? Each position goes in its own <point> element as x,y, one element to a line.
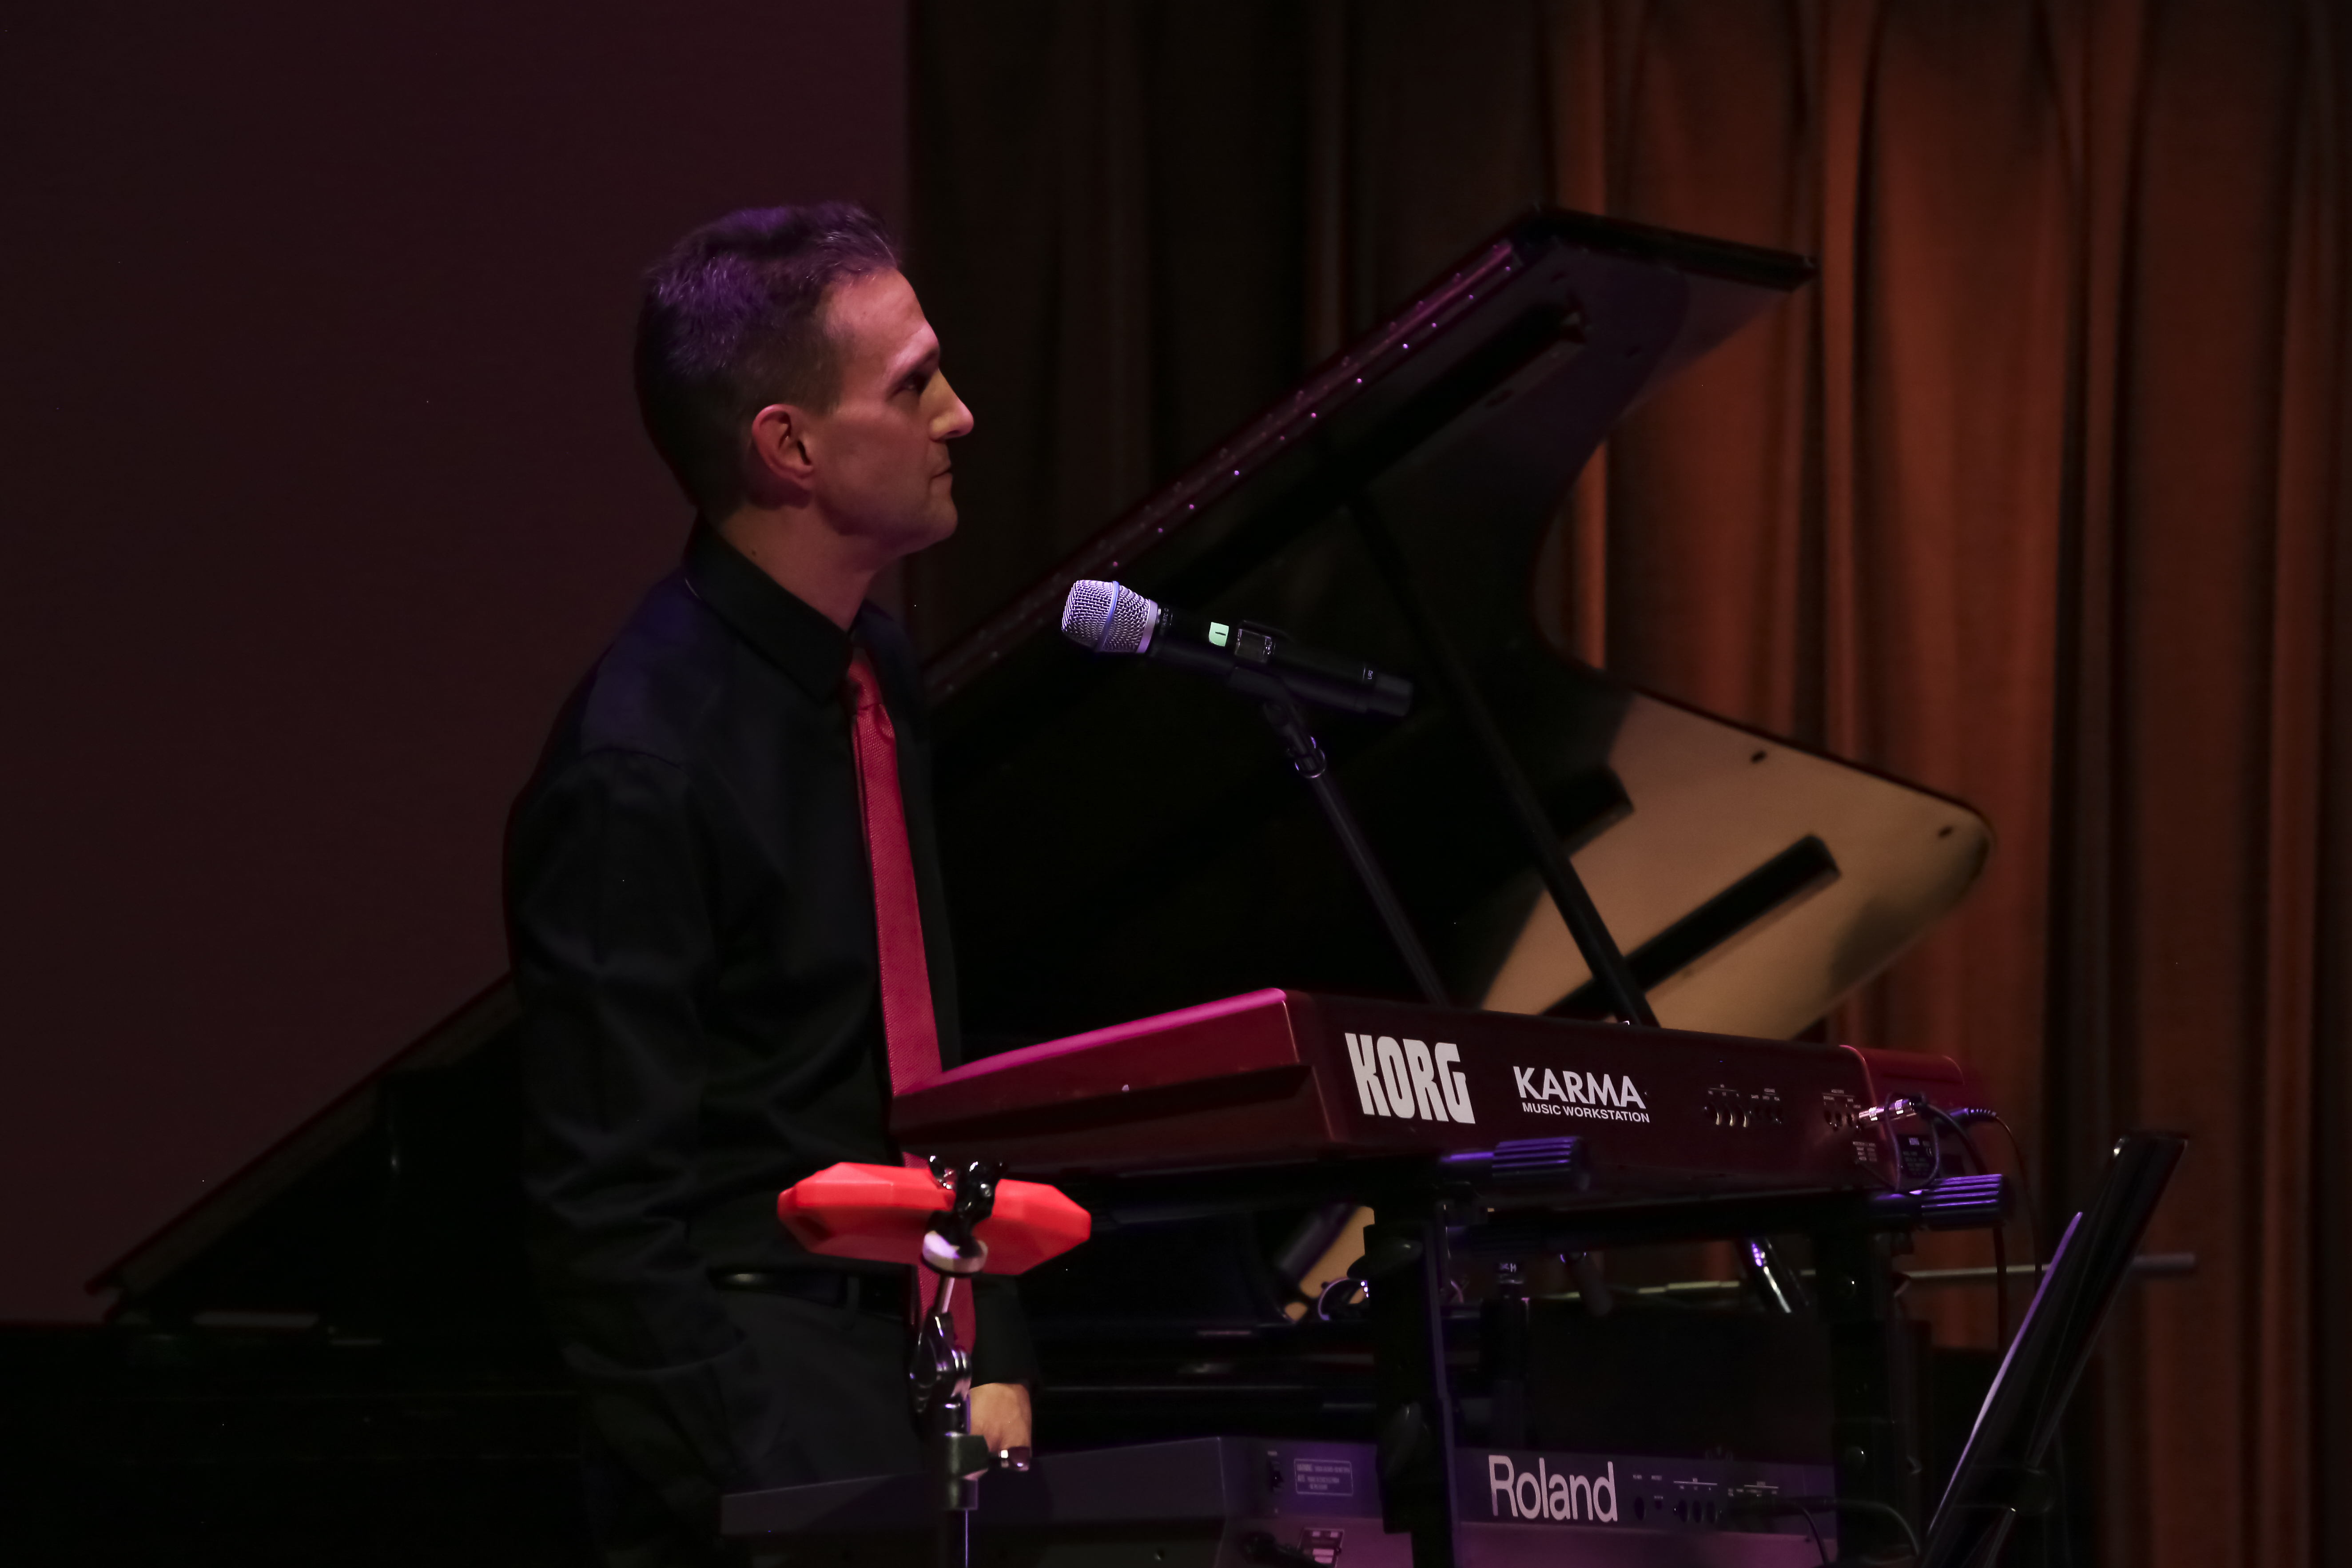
<point>1404,1270</point>
<point>1777,1287</point>
<point>1869,1363</point>
<point>956,1534</point>
<point>1503,1328</point>
<point>938,1373</point>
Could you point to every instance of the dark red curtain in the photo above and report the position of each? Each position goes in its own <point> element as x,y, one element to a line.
<point>2038,496</point>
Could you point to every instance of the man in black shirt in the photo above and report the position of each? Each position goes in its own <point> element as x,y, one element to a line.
<point>692,911</point>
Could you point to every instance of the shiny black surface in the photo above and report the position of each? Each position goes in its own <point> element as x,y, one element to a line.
<point>1120,841</point>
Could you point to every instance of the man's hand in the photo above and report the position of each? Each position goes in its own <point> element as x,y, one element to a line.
<point>999,1413</point>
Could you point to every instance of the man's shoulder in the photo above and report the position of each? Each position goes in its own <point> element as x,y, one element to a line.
<point>658,679</point>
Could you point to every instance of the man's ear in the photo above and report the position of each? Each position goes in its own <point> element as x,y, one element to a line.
<point>777,470</point>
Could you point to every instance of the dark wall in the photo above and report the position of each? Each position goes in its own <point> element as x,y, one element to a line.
<point>319,483</point>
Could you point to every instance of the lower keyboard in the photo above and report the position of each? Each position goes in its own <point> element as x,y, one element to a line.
<point>1239,1502</point>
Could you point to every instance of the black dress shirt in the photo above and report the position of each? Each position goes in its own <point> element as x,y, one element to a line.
<point>692,921</point>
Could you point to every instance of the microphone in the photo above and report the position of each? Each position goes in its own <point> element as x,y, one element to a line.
<point>1108,617</point>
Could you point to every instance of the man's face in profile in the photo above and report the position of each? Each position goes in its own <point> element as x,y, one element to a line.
<point>883,468</point>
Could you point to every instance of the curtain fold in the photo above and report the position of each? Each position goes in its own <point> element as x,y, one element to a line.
<point>2038,496</point>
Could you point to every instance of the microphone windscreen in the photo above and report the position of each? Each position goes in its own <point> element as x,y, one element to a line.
<point>1109,618</point>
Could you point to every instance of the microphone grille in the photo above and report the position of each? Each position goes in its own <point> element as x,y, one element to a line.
<point>1108,617</point>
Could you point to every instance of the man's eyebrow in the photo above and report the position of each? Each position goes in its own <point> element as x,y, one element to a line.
<point>929,353</point>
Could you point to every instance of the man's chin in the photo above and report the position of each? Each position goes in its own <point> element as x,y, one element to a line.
<point>932,529</point>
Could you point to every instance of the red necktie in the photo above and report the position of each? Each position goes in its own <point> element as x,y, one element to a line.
<point>909,1032</point>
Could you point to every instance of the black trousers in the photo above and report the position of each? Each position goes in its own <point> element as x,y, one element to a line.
<point>839,1375</point>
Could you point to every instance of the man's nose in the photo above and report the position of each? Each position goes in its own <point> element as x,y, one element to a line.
<point>954,419</point>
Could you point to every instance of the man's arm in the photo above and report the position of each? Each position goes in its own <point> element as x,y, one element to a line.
<point>613,945</point>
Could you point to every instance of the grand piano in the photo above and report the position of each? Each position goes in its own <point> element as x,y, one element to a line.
<point>339,1346</point>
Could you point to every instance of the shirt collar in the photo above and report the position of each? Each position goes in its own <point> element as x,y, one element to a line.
<point>793,635</point>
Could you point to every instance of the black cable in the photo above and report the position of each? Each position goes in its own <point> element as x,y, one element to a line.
<point>1804,1505</point>
<point>2001,1291</point>
<point>1768,1507</point>
<point>2000,1233</point>
<point>1819,1549</point>
<point>2001,1329</point>
<point>1970,1113</point>
<point>1871,1505</point>
<point>2025,1180</point>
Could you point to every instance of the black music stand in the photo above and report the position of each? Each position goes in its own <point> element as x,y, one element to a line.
<point>1999,1469</point>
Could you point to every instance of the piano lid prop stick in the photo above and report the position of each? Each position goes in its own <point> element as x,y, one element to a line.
<point>1618,987</point>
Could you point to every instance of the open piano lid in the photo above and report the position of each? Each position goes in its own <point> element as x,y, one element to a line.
<point>1123,839</point>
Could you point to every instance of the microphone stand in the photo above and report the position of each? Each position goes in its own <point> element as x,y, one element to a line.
<point>1403,1265</point>
<point>938,1372</point>
<point>1306,756</point>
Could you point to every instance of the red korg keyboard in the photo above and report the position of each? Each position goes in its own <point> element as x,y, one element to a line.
<point>1279,1075</point>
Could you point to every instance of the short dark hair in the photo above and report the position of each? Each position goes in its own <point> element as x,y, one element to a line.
<point>732,321</point>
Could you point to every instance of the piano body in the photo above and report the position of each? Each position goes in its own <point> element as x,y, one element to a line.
<point>1123,839</point>
<point>1199,1024</point>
